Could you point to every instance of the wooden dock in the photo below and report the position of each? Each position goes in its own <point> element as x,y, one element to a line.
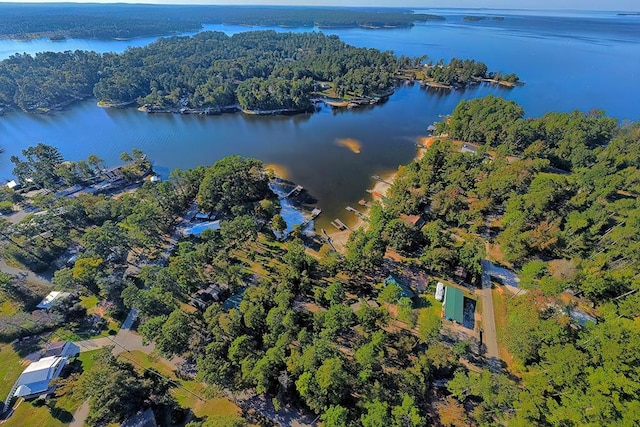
<point>295,191</point>
<point>339,225</point>
<point>328,239</point>
<point>357,212</point>
<point>314,215</point>
<point>377,178</point>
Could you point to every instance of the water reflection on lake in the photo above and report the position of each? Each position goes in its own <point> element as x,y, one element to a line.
<point>567,64</point>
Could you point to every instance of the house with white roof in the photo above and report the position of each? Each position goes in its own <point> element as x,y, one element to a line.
<point>52,299</point>
<point>13,185</point>
<point>36,378</point>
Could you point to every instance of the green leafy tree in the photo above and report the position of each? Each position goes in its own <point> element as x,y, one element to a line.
<point>233,185</point>
<point>428,325</point>
<point>377,414</point>
<point>406,414</point>
<point>40,166</point>
<point>335,416</point>
<point>114,389</point>
<point>390,294</point>
<point>278,223</point>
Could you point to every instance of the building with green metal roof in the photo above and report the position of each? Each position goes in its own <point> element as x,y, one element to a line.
<point>453,304</point>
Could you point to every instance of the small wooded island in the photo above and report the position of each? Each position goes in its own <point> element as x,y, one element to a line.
<point>209,73</point>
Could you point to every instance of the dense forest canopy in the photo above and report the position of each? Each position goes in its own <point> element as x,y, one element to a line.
<point>259,70</point>
<point>129,21</point>
<point>585,214</point>
<point>318,332</point>
<point>566,140</point>
<point>269,70</point>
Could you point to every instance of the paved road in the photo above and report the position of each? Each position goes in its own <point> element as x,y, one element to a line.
<point>94,344</point>
<point>490,337</point>
<point>80,416</point>
<point>26,274</point>
<point>125,340</point>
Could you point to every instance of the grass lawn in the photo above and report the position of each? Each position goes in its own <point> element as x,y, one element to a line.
<point>89,302</point>
<point>430,303</point>
<point>500,313</point>
<point>212,405</point>
<point>7,308</point>
<point>211,402</point>
<point>10,369</point>
<point>146,361</point>
<point>28,415</point>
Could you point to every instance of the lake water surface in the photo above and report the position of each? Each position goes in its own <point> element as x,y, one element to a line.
<point>578,61</point>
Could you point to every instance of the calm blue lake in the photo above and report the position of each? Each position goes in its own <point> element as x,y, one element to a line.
<point>576,61</point>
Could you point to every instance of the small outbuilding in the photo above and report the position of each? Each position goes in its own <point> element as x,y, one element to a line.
<point>414,221</point>
<point>439,291</point>
<point>453,305</point>
<point>468,148</point>
<point>13,185</point>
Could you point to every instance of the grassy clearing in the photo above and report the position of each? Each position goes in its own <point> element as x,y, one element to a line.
<point>500,314</point>
<point>430,303</point>
<point>10,369</point>
<point>213,403</point>
<point>144,361</point>
<point>89,303</point>
<point>8,308</point>
<point>203,400</point>
<point>28,415</point>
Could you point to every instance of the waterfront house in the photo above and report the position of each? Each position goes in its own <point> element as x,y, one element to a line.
<point>114,174</point>
<point>13,185</point>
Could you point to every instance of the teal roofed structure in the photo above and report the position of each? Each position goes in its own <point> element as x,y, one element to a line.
<point>453,304</point>
<point>405,290</point>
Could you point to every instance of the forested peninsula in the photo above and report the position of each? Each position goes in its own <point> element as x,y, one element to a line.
<point>259,71</point>
<point>129,21</point>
